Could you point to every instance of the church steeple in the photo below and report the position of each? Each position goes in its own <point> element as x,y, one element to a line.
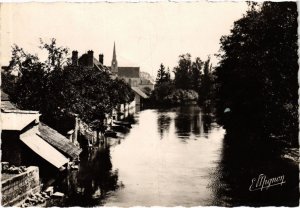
<point>114,62</point>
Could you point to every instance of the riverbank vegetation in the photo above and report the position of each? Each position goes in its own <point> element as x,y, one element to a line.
<point>56,88</point>
<point>256,79</point>
<point>192,83</point>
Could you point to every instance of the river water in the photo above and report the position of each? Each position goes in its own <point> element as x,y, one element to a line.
<point>175,157</point>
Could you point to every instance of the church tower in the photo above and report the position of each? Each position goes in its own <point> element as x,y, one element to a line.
<point>114,62</point>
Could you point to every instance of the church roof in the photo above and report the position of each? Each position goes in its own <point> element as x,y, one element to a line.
<point>130,72</point>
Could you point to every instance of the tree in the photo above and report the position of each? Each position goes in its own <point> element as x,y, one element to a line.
<point>182,72</point>
<point>57,90</point>
<point>163,86</point>
<point>196,74</point>
<point>206,87</point>
<point>162,75</point>
<point>57,56</point>
<point>147,90</point>
<point>257,73</point>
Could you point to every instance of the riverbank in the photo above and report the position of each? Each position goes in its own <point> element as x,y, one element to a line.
<point>178,156</point>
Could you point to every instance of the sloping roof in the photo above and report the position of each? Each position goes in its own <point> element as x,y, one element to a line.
<point>139,92</point>
<point>58,141</point>
<point>4,96</point>
<point>146,82</point>
<point>5,102</point>
<point>7,105</point>
<point>43,149</point>
<point>96,62</point>
<point>17,120</point>
<point>131,72</point>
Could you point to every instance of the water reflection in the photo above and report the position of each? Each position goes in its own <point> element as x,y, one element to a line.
<point>180,157</point>
<point>243,161</point>
<point>163,123</point>
<point>193,121</point>
<point>92,183</point>
<point>160,167</point>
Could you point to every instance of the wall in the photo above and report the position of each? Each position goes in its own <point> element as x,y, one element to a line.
<point>137,99</point>
<point>11,147</point>
<point>134,82</point>
<point>17,188</point>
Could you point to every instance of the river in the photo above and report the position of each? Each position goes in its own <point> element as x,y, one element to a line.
<point>173,157</point>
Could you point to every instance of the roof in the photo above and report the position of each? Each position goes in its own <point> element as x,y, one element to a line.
<point>131,72</point>
<point>146,82</point>
<point>58,141</point>
<point>7,105</point>
<point>96,62</point>
<point>139,92</point>
<point>43,149</point>
<point>5,102</point>
<point>17,120</point>
<point>4,96</point>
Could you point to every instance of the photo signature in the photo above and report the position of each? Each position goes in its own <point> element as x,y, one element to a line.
<point>263,182</point>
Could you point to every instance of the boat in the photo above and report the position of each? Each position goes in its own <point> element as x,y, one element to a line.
<point>119,128</point>
<point>123,123</point>
<point>110,133</point>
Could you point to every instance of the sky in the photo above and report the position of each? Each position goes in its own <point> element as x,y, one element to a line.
<point>146,34</point>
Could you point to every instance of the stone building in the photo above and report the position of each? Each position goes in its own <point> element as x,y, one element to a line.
<point>130,74</point>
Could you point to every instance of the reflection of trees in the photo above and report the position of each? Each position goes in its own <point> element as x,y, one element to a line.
<point>241,162</point>
<point>188,120</point>
<point>183,124</point>
<point>95,179</point>
<point>206,118</point>
<point>163,123</point>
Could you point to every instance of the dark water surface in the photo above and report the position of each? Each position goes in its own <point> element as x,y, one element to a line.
<point>178,157</point>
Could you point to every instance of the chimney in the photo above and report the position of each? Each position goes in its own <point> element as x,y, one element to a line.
<point>75,58</point>
<point>101,58</point>
<point>90,58</point>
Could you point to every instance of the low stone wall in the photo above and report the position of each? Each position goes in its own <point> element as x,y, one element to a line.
<point>18,187</point>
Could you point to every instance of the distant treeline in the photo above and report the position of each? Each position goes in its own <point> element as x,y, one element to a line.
<point>193,82</point>
<point>254,87</point>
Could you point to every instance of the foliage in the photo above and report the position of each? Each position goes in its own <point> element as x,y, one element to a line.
<point>57,91</point>
<point>160,92</point>
<point>182,72</point>
<point>162,75</point>
<point>163,86</point>
<point>147,90</point>
<point>257,75</point>
<point>188,83</point>
<point>57,56</point>
<point>180,96</point>
<point>195,74</point>
<point>206,89</point>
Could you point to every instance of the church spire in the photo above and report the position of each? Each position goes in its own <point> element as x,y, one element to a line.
<point>114,62</point>
<point>114,53</point>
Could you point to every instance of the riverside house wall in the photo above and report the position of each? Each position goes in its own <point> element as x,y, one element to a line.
<point>16,188</point>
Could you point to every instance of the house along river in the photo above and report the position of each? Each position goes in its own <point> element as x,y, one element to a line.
<point>170,157</point>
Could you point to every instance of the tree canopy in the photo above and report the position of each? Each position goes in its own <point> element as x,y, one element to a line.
<point>257,73</point>
<point>57,89</point>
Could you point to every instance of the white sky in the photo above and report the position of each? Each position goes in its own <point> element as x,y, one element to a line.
<point>146,34</point>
